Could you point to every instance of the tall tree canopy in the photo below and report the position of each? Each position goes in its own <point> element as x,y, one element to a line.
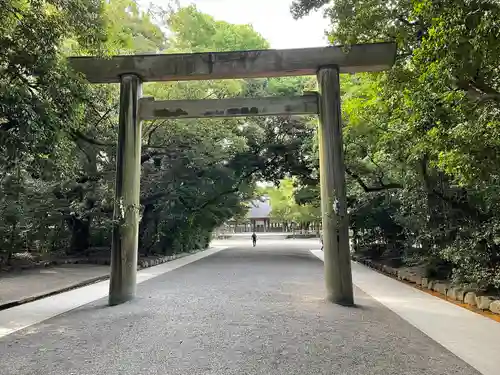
<point>422,141</point>
<point>58,133</point>
<point>285,207</point>
<point>197,32</point>
<point>38,96</point>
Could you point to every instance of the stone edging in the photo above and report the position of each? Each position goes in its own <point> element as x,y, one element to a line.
<point>146,263</point>
<point>468,296</point>
<point>141,264</point>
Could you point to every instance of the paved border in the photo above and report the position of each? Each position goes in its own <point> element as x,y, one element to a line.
<point>471,337</point>
<point>486,305</point>
<point>142,264</point>
<point>22,301</point>
<point>28,314</point>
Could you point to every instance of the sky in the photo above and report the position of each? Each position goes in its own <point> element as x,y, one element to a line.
<point>271,18</point>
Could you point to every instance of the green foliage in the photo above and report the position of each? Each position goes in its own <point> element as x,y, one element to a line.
<point>197,32</point>
<point>38,96</point>
<point>284,206</point>
<point>58,152</point>
<point>422,141</point>
<point>132,31</point>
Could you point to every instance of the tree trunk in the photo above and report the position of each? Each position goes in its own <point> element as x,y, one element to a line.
<point>147,217</point>
<point>80,234</point>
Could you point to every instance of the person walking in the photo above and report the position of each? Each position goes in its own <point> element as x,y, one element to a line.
<point>254,239</point>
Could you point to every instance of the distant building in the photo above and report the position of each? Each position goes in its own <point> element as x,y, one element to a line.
<point>258,218</point>
<point>259,215</point>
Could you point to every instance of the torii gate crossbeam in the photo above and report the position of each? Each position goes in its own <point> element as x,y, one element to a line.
<point>326,62</point>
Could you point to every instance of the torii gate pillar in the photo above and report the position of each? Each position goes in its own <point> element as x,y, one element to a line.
<point>326,62</point>
<point>125,237</point>
<point>335,221</point>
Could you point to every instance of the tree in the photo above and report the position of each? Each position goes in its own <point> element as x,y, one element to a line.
<point>422,140</point>
<point>215,170</point>
<point>58,174</point>
<point>198,32</point>
<point>40,99</point>
<point>39,95</point>
<point>284,206</point>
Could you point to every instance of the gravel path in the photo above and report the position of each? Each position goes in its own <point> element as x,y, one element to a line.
<point>240,311</point>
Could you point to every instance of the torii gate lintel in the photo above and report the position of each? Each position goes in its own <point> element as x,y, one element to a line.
<point>325,62</point>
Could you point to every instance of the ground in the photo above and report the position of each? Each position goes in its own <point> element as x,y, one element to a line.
<point>243,310</point>
<point>16,286</point>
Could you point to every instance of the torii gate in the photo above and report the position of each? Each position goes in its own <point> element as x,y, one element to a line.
<point>325,62</point>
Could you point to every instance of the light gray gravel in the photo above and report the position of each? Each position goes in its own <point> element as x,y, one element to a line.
<point>240,311</point>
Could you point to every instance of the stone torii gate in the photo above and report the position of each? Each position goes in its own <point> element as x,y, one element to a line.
<point>325,62</point>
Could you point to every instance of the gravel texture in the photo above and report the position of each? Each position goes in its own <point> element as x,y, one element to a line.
<point>241,311</point>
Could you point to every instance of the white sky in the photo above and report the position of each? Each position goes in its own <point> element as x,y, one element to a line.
<point>271,18</point>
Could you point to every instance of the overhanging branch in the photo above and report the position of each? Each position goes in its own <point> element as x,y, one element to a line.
<point>465,207</point>
<point>372,189</point>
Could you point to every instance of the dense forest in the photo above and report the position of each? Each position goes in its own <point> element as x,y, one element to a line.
<point>58,134</point>
<point>422,142</point>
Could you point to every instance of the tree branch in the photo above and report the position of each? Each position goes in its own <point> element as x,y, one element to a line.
<point>477,90</point>
<point>76,134</point>
<point>372,189</point>
<point>455,204</point>
<point>406,22</point>
<point>234,189</point>
<point>154,128</point>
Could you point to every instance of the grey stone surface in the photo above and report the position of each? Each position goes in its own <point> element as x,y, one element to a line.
<point>30,283</point>
<point>470,298</point>
<point>441,288</point>
<point>241,311</point>
<point>495,306</point>
<point>458,293</point>
<point>417,279</point>
<point>404,274</point>
<point>430,284</point>
<point>425,282</point>
<point>483,302</point>
<point>455,293</point>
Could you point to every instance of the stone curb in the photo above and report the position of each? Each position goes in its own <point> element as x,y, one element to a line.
<point>141,264</point>
<point>10,304</point>
<point>467,295</point>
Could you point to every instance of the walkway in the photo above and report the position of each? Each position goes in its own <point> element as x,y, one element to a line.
<point>238,311</point>
<point>29,284</point>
